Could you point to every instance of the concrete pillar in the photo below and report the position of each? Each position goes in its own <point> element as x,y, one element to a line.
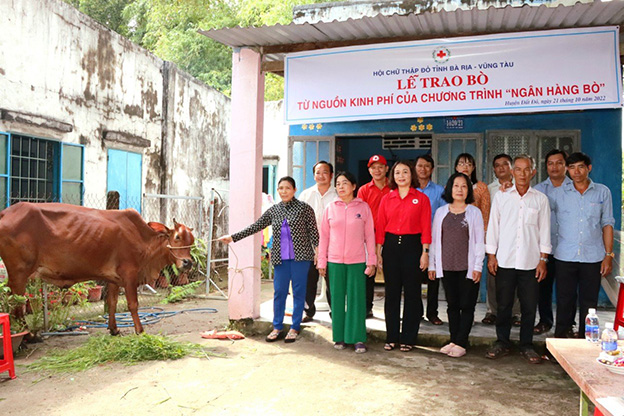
<point>245,181</point>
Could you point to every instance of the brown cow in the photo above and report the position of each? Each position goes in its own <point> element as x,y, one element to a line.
<point>66,244</point>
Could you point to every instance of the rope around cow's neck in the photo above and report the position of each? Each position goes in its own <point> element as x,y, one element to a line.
<point>170,247</point>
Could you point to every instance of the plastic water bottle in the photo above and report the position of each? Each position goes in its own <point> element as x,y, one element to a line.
<point>609,339</point>
<point>592,326</point>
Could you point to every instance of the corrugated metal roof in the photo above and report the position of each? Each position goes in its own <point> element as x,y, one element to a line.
<point>436,21</point>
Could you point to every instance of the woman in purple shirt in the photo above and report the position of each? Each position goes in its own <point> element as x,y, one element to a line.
<point>295,239</point>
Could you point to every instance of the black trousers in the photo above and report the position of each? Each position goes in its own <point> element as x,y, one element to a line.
<point>507,281</point>
<point>433,291</point>
<point>401,260</point>
<point>544,304</point>
<point>461,297</point>
<point>575,281</point>
<point>313,278</point>
<point>370,292</point>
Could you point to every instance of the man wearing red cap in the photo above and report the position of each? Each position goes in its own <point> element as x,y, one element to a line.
<point>371,193</point>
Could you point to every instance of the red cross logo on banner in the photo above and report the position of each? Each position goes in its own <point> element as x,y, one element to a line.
<point>441,55</point>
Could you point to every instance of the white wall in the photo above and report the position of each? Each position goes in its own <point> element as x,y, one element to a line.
<point>59,66</point>
<point>276,135</point>
<point>58,63</point>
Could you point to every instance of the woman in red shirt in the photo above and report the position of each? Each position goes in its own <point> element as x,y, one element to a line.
<point>403,235</point>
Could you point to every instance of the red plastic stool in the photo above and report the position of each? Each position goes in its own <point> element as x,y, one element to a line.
<point>7,363</point>
<point>619,310</point>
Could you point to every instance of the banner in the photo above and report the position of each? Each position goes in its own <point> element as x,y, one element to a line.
<point>553,70</point>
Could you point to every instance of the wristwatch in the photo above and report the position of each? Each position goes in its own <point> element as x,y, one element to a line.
<point>426,250</point>
<point>610,254</point>
<point>544,259</point>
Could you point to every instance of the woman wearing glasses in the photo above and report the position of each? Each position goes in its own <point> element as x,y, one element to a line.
<point>465,163</point>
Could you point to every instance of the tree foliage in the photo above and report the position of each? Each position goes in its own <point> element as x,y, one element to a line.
<point>169,29</point>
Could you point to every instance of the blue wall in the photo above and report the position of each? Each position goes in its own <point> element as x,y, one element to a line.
<point>601,138</point>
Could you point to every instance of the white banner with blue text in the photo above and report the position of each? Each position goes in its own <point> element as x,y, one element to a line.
<point>554,70</point>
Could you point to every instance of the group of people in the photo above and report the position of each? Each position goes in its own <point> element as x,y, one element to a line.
<point>412,231</point>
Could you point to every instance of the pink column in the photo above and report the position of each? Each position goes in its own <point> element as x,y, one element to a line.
<point>245,181</point>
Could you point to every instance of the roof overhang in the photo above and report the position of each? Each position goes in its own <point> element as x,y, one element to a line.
<point>429,20</point>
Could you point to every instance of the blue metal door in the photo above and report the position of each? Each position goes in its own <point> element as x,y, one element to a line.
<point>124,176</point>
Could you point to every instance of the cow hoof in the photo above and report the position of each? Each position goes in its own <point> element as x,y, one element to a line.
<point>115,332</point>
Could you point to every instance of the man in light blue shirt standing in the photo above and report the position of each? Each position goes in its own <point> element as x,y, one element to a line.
<point>556,169</point>
<point>583,211</point>
<point>424,168</point>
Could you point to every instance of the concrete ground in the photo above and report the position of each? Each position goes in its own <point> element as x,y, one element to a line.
<point>305,378</point>
<point>429,334</point>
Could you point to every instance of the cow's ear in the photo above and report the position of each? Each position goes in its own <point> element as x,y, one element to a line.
<point>158,227</point>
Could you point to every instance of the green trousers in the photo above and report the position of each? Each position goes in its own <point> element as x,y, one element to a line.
<point>347,285</point>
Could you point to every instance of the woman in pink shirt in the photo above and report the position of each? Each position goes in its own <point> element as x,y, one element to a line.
<point>347,251</point>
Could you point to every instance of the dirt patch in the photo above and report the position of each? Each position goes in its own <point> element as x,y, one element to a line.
<point>307,377</point>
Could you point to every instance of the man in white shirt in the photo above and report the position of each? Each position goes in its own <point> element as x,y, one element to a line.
<point>318,197</point>
<point>501,165</point>
<point>518,244</point>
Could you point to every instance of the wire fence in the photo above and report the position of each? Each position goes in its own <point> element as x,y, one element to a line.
<point>49,308</point>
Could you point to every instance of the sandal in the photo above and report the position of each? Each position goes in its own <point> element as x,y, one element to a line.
<point>360,348</point>
<point>340,345</point>
<point>273,336</point>
<point>435,321</point>
<point>541,328</point>
<point>406,347</point>
<point>497,351</point>
<point>516,321</point>
<point>291,336</point>
<point>457,351</point>
<point>447,348</point>
<point>389,346</point>
<point>490,319</point>
<point>531,356</point>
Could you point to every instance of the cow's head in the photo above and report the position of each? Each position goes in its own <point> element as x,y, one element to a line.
<point>179,242</point>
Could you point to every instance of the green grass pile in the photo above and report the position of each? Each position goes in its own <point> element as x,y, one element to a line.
<point>107,349</point>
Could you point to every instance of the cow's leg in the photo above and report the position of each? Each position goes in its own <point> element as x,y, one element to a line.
<point>17,283</point>
<point>111,300</point>
<point>133,307</point>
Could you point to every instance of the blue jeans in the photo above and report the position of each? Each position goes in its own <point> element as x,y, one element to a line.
<point>297,272</point>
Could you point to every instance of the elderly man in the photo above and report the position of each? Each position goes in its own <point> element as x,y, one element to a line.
<point>424,169</point>
<point>371,193</point>
<point>555,167</point>
<point>318,197</point>
<point>501,165</point>
<point>518,244</point>
<point>583,211</point>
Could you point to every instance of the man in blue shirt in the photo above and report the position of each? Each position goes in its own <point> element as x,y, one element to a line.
<point>583,211</point>
<point>556,169</point>
<point>424,168</point>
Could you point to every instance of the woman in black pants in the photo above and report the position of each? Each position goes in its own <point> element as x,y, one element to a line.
<point>403,234</point>
<point>457,253</point>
